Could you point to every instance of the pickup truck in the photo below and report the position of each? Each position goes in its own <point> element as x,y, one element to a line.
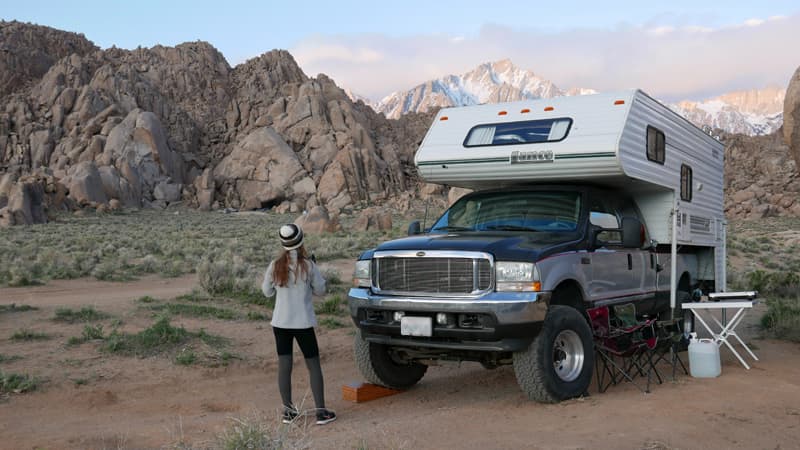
<point>505,277</point>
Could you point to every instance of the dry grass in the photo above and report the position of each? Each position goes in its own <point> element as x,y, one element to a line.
<point>232,249</point>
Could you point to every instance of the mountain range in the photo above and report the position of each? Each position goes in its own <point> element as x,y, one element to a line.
<point>85,128</point>
<point>752,112</point>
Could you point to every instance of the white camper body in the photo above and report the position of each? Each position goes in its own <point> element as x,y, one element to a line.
<point>627,140</point>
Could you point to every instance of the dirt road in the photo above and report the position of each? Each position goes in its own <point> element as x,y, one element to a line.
<point>95,400</point>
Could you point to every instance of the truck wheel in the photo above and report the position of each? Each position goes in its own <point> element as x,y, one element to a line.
<point>558,364</point>
<point>379,366</point>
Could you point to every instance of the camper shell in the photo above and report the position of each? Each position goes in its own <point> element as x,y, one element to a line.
<point>579,202</point>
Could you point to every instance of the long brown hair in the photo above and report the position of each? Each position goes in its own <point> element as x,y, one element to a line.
<point>281,268</point>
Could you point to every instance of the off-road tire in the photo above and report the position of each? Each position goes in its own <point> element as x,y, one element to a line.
<point>535,367</point>
<point>378,367</point>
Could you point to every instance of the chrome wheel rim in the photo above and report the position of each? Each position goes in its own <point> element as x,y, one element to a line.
<point>568,355</point>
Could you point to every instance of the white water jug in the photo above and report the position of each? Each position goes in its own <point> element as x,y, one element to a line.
<point>704,358</point>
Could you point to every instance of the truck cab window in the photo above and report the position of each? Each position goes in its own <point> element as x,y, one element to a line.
<point>603,216</point>
<point>513,211</point>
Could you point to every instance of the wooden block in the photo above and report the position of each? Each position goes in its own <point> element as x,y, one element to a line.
<point>363,392</point>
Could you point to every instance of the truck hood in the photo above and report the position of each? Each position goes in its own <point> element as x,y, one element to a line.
<point>503,245</point>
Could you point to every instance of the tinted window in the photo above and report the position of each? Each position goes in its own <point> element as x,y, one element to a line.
<point>513,211</point>
<point>509,133</point>
<point>656,145</point>
<point>686,183</point>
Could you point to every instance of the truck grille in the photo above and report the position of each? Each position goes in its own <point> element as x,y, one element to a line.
<point>433,274</point>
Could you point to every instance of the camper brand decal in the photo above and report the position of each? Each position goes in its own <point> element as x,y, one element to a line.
<point>535,156</point>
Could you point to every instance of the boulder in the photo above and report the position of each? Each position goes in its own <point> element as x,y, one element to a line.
<point>456,193</point>
<point>26,203</point>
<point>317,221</point>
<point>85,184</point>
<point>139,144</point>
<point>743,196</point>
<point>168,192</point>
<point>373,219</point>
<point>204,188</point>
<point>261,170</point>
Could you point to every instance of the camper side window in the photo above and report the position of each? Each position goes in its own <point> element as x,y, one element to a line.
<point>686,183</point>
<point>656,145</point>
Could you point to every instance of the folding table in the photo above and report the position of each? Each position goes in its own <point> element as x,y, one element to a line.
<point>738,301</point>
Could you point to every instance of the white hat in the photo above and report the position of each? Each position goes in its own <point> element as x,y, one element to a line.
<point>291,236</point>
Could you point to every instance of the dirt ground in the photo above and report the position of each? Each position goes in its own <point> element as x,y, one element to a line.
<point>94,400</point>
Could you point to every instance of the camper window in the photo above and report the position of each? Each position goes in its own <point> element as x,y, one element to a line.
<point>686,183</point>
<point>526,132</point>
<point>656,145</point>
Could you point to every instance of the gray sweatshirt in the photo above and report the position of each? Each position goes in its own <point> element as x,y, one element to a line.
<point>293,305</point>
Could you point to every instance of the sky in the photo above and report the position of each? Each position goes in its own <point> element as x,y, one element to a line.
<point>674,50</point>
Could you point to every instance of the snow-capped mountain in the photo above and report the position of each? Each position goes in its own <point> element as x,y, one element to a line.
<point>754,112</point>
<point>495,82</point>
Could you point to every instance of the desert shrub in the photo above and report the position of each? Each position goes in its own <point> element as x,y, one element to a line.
<point>329,306</point>
<point>782,318</point>
<point>91,333</point>
<point>196,311</point>
<point>251,315</point>
<point>231,278</point>
<point>149,264</point>
<point>159,337</point>
<point>120,246</point>
<point>780,283</point>
<point>18,383</point>
<point>13,308</point>
<point>28,335</point>
<point>85,314</point>
<point>215,277</point>
<point>23,275</point>
<point>186,357</point>
<point>8,358</point>
<point>256,433</point>
<point>332,278</point>
<point>331,323</point>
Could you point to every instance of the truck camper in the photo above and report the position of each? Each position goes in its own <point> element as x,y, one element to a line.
<point>577,202</point>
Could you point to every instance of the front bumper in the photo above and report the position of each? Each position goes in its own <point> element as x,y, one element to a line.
<point>509,321</point>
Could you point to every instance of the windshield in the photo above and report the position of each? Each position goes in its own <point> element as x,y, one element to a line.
<point>513,211</point>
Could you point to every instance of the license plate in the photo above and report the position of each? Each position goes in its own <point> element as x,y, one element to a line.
<point>416,326</point>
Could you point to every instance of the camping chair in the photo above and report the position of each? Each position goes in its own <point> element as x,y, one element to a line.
<point>671,341</point>
<point>624,345</point>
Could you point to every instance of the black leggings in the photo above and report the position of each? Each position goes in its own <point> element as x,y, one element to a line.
<point>306,339</point>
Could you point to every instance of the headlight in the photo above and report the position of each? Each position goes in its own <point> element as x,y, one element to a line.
<point>517,276</point>
<point>361,276</point>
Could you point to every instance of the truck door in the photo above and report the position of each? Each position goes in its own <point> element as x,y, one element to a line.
<point>618,274</point>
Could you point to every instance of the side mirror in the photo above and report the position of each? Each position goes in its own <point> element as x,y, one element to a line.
<point>632,232</point>
<point>414,228</point>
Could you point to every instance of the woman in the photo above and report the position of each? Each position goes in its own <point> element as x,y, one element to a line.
<point>294,277</point>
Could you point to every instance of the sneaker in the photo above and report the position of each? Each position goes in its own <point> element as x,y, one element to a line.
<point>325,416</point>
<point>289,415</point>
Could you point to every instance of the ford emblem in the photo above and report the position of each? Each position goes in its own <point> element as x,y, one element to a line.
<point>420,254</point>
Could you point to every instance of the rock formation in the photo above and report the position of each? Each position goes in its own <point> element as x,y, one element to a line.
<point>791,117</point>
<point>149,127</point>
<point>761,177</point>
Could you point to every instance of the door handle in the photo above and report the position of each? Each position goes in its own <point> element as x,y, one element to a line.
<point>630,262</point>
